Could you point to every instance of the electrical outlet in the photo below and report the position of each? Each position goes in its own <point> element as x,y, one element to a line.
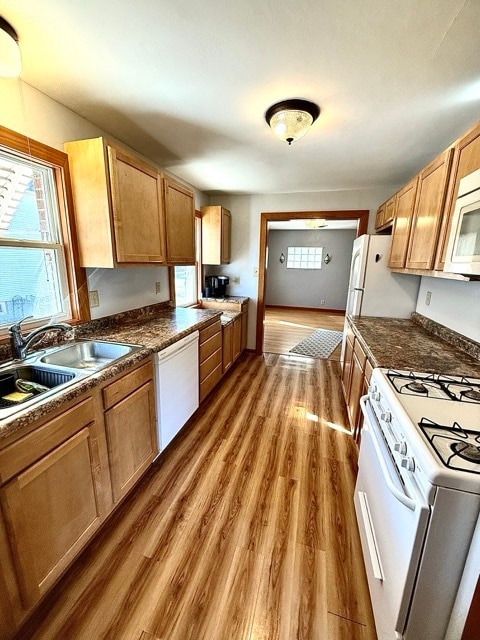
<point>94,299</point>
<point>322,301</point>
<point>235,279</point>
<point>428,298</point>
<point>158,287</point>
<point>255,272</point>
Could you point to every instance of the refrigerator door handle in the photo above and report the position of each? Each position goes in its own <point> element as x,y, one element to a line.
<point>358,289</point>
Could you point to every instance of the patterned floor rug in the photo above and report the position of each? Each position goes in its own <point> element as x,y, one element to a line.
<point>319,344</point>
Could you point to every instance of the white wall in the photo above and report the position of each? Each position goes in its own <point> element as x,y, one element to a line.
<point>454,304</point>
<point>32,113</point>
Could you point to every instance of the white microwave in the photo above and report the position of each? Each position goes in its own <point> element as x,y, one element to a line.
<point>463,249</point>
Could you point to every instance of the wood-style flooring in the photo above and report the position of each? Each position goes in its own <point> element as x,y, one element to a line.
<point>244,529</point>
<point>284,328</point>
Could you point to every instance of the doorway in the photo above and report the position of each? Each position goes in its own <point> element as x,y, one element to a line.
<point>285,324</point>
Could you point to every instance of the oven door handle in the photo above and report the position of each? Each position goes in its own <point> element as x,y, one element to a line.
<point>399,495</point>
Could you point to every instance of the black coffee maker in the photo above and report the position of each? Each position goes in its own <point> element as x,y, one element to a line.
<point>216,286</point>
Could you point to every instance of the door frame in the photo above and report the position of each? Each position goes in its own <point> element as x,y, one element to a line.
<point>361,215</point>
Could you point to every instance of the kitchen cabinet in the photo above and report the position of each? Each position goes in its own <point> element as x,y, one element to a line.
<point>179,222</point>
<point>385,214</point>
<point>130,428</point>
<point>231,305</point>
<point>53,497</point>
<point>232,342</point>
<point>216,235</point>
<point>466,158</point>
<point>404,206</point>
<point>118,206</point>
<point>427,215</point>
<point>210,358</point>
<point>347,361</point>
<point>379,218</point>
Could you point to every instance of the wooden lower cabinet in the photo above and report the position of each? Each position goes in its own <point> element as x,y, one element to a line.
<point>356,373</point>
<point>227,340</point>
<point>131,432</point>
<point>210,358</point>
<point>56,484</point>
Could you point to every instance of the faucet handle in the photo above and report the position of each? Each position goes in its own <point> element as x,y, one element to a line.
<point>16,325</point>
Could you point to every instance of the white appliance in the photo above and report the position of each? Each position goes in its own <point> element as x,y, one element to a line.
<point>463,249</point>
<point>177,391</point>
<point>417,498</point>
<point>373,289</point>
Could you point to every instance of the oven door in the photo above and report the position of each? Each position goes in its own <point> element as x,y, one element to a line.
<point>392,526</point>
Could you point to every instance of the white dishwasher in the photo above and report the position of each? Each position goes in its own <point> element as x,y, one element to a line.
<point>176,372</point>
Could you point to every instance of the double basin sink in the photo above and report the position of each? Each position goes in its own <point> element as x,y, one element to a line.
<point>45,373</point>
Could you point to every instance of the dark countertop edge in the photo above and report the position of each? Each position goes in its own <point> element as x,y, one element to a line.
<point>232,299</point>
<point>450,336</point>
<point>19,420</point>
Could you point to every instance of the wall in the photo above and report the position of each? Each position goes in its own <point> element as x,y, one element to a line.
<point>454,304</point>
<point>307,288</point>
<point>32,113</point>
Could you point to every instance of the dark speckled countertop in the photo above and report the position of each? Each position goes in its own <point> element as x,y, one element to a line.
<point>406,344</point>
<point>153,333</point>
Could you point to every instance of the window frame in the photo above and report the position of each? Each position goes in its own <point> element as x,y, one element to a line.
<point>198,266</point>
<point>25,148</point>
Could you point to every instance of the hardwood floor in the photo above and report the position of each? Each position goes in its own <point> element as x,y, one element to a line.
<point>244,529</point>
<point>285,328</point>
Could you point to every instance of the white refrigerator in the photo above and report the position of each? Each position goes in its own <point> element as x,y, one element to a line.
<point>373,289</point>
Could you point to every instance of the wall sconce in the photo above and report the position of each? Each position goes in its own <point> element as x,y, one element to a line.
<point>10,59</point>
<point>282,258</point>
<point>327,259</point>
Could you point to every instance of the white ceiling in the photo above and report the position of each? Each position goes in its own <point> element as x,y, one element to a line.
<point>187,83</point>
<point>299,225</point>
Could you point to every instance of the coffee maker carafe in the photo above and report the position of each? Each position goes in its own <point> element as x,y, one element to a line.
<point>216,286</point>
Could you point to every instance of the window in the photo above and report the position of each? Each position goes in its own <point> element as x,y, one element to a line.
<point>304,257</point>
<point>187,278</point>
<point>37,273</point>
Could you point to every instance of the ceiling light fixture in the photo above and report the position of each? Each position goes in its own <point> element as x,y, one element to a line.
<point>291,119</point>
<point>10,59</point>
<point>316,223</point>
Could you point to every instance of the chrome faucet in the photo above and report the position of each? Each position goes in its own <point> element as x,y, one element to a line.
<point>20,343</point>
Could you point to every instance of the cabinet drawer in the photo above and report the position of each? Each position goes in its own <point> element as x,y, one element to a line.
<point>209,331</point>
<point>211,345</point>
<point>24,452</point>
<point>128,383</point>
<point>210,381</point>
<point>210,364</point>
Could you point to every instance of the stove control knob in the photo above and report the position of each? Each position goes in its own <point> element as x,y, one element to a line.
<point>386,416</point>
<point>401,447</point>
<point>408,464</point>
<point>376,396</point>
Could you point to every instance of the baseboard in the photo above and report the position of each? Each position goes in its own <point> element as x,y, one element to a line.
<point>340,312</point>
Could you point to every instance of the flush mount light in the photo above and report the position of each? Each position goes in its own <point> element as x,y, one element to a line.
<point>10,60</point>
<point>291,119</point>
<point>316,223</point>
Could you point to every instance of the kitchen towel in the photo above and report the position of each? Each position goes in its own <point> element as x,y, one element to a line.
<point>319,344</point>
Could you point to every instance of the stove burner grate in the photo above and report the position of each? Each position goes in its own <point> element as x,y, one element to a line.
<point>471,394</point>
<point>466,451</point>
<point>416,387</point>
<point>432,385</point>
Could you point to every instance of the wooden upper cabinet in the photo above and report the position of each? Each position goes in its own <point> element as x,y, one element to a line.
<point>404,206</point>
<point>118,206</point>
<point>179,222</point>
<point>427,216</point>
<point>216,235</point>
<point>466,159</point>
<point>379,218</point>
<point>389,213</point>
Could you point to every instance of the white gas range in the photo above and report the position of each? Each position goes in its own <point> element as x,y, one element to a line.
<point>417,497</point>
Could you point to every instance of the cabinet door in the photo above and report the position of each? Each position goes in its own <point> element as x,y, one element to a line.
<point>427,217</point>
<point>179,223</point>
<point>347,367</point>
<point>137,209</point>
<point>237,338</point>
<point>356,390</point>
<point>227,332</point>
<point>466,159</point>
<point>401,225</point>
<point>131,438</point>
<point>226,236</point>
<point>51,510</point>
<point>244,330</point>
<point>389,212</point>
<point>380,217</point>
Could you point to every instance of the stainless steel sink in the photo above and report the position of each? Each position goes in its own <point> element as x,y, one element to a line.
<point>90,355</point>
<point>50,377</point>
